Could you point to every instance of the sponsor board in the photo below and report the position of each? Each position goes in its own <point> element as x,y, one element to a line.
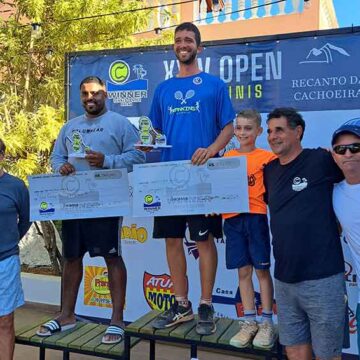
<point>158,291</point>
<point>232,297</point>
<point>96,287</point>
<point>124,89</point>
<point>134,234</point>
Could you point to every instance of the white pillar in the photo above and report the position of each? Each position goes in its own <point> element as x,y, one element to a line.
<point>282,7</point>
<point>268,7</point>
<point>296,5</point>
<point>254,11</point>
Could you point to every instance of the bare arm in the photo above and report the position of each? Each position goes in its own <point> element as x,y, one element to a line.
<point>202,155</point>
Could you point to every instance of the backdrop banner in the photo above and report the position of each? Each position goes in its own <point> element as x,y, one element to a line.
<point>318,75</point>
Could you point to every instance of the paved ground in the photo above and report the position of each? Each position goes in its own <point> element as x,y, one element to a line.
<point>30,312</point>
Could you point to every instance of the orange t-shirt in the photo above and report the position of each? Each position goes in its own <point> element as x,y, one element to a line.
<point>256,160</point>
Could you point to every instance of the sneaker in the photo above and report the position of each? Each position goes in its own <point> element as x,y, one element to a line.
<point>247,332</point>
<point>175,315</point>
<point>266,336</point>
<point>206,324</point>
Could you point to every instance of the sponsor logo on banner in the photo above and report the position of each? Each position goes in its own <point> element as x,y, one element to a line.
<point>324,54</point>
<point>227,297</point>
<point>335,85</point>
<point>158,291</point>
<point>151,203</point>
<point>134,234</point>
<point>352,321</point>
<point>350,275</point>
<point>191,248</point>
<point>127,86</point>
<point>96,287</point>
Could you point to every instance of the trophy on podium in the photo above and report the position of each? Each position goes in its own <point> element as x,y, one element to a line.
<point>149,137</point>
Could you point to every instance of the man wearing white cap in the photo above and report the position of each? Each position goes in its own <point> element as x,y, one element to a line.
<point>346,196</point>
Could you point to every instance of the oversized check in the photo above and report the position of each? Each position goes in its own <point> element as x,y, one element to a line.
<point>85,194</point>
<point>180,188</point>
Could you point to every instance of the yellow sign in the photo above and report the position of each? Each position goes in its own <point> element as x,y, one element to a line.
<point>96,287</point>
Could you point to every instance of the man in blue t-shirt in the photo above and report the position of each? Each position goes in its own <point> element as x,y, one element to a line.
<point>309,264</point>
<point>194,111</point>
<point>14,223</point>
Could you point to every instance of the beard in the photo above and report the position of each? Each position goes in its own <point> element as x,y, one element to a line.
<point>188,61</point>
<point>95,109</point>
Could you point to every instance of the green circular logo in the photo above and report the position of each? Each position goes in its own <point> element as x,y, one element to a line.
<point>149,199</point>
<point>43,205</point>
<point>119,71</point>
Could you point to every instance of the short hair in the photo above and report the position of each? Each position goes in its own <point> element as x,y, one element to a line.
<point>190,27</point>
<point>250,114</point>
<point>2,147</point>
<point>92,79</point>
<point>293,118</point>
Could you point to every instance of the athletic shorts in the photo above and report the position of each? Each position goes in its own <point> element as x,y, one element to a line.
<point>100,237</point>
<point>247,241</point>
<point>312,312</point>
<point>200,226</point>
<point>11,292</point>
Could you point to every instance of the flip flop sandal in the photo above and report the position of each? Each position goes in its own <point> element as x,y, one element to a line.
<point>53,327</point>
<point>113,330</point>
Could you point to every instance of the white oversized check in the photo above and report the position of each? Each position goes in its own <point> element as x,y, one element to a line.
<point>180,188</point>
<point>85,194</point>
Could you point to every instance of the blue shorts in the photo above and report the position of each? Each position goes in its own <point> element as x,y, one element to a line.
<point>247,241</point>
<point>312,312</point>
<point>11,292</point>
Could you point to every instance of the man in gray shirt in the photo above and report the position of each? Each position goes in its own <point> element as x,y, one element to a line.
<point>99,139</point>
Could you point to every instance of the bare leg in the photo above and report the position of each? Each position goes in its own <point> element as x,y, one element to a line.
<point>71,278</point>
<point>299,352</point>
<point>266,289</point>
<point>177,265</point>
<point>7,336</point>
<point>246,287</point>
<point>117,284</point>
<point>208,265</point>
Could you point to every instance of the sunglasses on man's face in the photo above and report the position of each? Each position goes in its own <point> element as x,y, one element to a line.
<point>341,149</point>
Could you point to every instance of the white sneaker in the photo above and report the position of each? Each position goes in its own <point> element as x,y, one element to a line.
<point>266,336</point>
<point>243,338</point>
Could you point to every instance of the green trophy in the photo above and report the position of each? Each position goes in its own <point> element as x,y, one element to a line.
<point>149,137</point>
<point>77,145</point>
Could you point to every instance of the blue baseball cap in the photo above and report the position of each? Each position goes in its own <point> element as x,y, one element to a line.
<point>352,126</point>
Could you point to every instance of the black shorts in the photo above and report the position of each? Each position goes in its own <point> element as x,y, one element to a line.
<point>200,226</point>
<point>100,237</point>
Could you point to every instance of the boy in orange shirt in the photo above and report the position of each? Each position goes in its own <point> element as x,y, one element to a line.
<point>248,239</point>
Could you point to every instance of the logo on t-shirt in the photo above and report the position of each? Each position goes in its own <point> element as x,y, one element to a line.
<point>183,97</point>
<point>183,106</point>
<point>251,180</point>
<point>299,184</point>
<point>197,80</point>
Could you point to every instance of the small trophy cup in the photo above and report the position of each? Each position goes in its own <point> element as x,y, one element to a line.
<point>149,137</point>
<point>77,145</point>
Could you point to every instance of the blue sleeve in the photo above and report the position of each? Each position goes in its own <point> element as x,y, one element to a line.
<point>59,155</point>
<point>129,156</point>
<point>225,112</point>
<point>23,210</point>
<point>155,113</point>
